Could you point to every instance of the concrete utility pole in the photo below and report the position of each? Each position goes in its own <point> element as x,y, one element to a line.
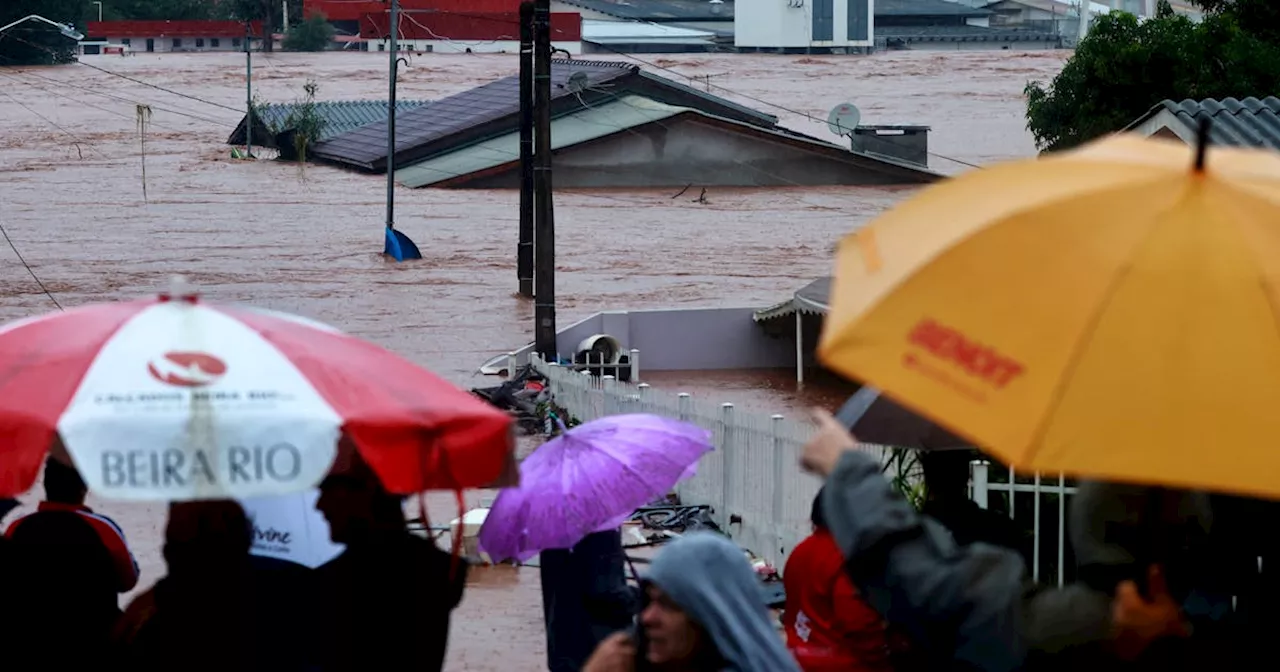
<point>524,248</point>
<point>545,234</point>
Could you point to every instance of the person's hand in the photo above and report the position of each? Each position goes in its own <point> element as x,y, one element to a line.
<point>827,445</point>
<point>1139,621</point>
<point>617,653</point>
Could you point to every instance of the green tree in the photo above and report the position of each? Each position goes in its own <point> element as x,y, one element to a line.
<point>269,12</point>
<point>1124,67</point>
<point>36,42</point>
<point>1259,17</point>
<point>312,34</point>
<point>157,10</point>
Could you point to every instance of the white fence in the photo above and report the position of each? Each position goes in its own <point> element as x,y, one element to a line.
<point>752,480</point>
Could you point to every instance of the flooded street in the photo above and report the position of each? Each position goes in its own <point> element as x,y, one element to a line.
<point>308,239</point>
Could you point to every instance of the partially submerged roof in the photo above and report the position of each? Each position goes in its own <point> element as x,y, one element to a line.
<point>493,109</point>
<point>633,32</point>
<point>927,8</point>
<point>659,11</point>
<point>1242,123</point>
<point>339,117</point>
<point>812,299</point>
<point>911,34</point>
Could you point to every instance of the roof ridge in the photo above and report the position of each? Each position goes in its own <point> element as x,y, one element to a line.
<point>595,64</point>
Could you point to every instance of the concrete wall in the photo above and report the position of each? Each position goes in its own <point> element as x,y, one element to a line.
<point>461,46</point>
<point>690,339</point>
<point>682,151</point>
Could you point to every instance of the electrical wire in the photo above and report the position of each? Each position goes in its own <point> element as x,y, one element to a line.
<point>30,270</point>
<point>77,141</point>
<point>82,102</point>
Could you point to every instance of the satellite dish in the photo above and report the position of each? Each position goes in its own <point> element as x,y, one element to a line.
<point>844,118</point>
<point>577,82</point>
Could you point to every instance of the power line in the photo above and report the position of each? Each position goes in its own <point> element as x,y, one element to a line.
<point>30,270</point>
<point>82,102</point>
<point>75,138</point>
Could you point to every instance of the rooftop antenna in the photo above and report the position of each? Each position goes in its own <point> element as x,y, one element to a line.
<point>397,245</point>
<point>843,119</point>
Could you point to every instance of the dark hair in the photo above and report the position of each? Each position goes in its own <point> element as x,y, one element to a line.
<point>816,516</point>
<point>62,483</point>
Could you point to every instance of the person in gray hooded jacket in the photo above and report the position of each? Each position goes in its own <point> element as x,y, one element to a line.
<point>973,607</point>
<point>704,613</point>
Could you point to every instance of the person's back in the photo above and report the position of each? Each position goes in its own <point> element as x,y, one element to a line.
<point>387,605</point>
<point>828,624</point>
<point>584,598</point>
<point>386,601</point>
<point>73,563</point>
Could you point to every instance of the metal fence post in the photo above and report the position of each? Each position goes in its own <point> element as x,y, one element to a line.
<point>512,363</point>
<point>779,483</point>
<point>980,474</point>
<point>635,365</point>
<point>726,455</point>
<point>644,392</point>
<point>683,402</point>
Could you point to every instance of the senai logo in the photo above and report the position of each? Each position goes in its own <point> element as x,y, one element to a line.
<point>187,369</point>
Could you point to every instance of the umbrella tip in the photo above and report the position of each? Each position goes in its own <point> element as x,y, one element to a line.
<point>180,290</point>
<point>1202,141</point>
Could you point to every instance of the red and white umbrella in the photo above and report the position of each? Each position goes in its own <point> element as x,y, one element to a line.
<point>172,398</point>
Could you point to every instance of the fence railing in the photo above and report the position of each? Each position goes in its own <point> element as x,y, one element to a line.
<point>752,480</point>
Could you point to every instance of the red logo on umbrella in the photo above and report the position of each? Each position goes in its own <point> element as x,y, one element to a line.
<point>187,369</point>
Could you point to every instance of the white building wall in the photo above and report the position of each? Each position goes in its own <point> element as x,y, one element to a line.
<point>789,24</point>
<point>165,44</point>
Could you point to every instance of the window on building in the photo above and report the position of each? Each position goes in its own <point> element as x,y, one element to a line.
<point>177,43</point>
<point>126,42</point>
<point>235,42</point>
<point>199,42</point>
<point>382,47</point>
<point>215,42</point>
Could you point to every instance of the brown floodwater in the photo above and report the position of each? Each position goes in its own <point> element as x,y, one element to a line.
<point>308,240</point>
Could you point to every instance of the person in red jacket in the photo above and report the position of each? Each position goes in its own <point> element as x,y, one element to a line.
<point>829,626</point>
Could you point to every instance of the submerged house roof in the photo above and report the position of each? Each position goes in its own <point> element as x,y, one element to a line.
<point>928,8</point>
<point>493,109</point>
<point>659,11</point>
<point>633,32</point>
<point>812,299</point>
<point>339,117</point>
<point>587,132</point>
<point>1242,123</point>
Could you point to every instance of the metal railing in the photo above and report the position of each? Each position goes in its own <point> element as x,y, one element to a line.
<point>752,480</point>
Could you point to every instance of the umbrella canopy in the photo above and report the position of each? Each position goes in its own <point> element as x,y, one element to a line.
<point>588,479</point>
<point>1107,312</point>
<point>288,527</point>
<point>173,398</point>
<point>875,418</point>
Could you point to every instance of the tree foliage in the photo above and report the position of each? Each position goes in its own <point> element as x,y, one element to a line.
<point>158,10</point>
<point>1124,67</point>
<point>36,42</point>
<point>312,34</point>
<point>1260,17</point>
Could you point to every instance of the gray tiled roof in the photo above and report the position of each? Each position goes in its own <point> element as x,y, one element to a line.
<point>658,11</point>
<point>340,116</point>
<point>962,34</point>
<point>366,147</point>
<point>927,8</point>
<point>1243,123</point>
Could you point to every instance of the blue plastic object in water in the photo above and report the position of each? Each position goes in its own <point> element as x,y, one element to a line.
<point>399,247</point>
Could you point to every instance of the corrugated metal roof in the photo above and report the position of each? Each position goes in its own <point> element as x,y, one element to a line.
<point>493,109</point>
<point>171,29</point>
<point>366,147</point>
<point>659,11</point>
<point>581,126</point>
<point>609,32</point>
<point>340,116</point>
<point>1242,123</point>
<point>927,8</point>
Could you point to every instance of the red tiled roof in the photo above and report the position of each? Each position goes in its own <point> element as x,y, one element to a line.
<point>171,28</point>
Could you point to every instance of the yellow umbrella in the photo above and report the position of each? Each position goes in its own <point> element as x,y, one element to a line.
<point>1108,312</point>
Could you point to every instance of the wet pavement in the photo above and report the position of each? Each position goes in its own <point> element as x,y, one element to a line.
<point>308,239</point>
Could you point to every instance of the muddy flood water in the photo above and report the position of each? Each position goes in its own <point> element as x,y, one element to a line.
<point>308,240</point>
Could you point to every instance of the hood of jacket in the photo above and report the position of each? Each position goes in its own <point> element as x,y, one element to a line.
<point>709,577</point>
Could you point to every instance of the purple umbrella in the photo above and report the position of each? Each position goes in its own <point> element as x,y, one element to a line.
<point>590,478</point>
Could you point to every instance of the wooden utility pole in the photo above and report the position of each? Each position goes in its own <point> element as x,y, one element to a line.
<point>545,233</point>
<point>524,249</point>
